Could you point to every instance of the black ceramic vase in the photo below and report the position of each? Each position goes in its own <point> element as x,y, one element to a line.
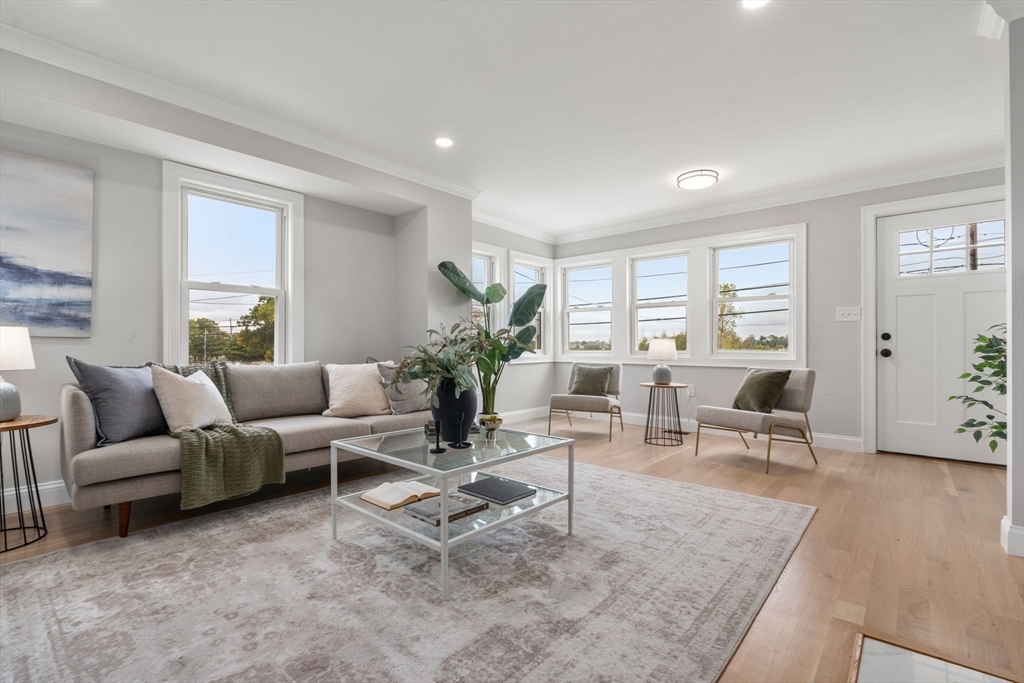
<point>451,409</point>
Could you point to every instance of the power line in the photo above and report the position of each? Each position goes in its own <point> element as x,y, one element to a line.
<point>751,265</point>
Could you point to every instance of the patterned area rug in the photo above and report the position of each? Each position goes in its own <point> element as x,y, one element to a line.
<point>659,583</point>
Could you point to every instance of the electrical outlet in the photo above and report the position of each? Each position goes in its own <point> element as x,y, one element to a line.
<point>848,314</point>
<point>691,390</point>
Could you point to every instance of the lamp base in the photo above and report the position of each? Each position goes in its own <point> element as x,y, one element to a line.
<point>10,401</point>
<point>662,374</point>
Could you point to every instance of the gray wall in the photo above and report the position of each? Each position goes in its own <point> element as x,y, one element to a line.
<point>346,292</point>
<point>489,234</point>
<point>833,279</point>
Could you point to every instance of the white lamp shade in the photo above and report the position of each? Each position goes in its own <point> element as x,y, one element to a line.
<point>662,349</point>
<point>15,349</point>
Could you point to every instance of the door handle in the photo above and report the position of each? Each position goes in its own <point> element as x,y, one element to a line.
<point>885,353</point>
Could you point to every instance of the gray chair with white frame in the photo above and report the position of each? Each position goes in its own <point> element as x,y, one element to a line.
<point>568,403</point>
<point>795,398</point>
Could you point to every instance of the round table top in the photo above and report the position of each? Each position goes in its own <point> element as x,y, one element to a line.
<point>27,422</point>
<point>670,385</point>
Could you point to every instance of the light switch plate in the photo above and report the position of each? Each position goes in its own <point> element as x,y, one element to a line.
<point>848,314</point>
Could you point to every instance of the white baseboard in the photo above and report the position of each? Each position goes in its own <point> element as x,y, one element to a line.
<point>50,492</point>
<point>513,416</point>
<point>1012,538</point>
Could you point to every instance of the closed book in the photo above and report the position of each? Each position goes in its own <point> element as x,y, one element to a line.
<point>498,491</point>
<point>429,511</point>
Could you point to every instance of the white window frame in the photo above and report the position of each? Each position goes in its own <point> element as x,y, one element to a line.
<point>567,309</point>
<point>635,307</point>
<point>715,299</point>
<point>178,182</point>
<point>546,268</point>
<point>495,257</point>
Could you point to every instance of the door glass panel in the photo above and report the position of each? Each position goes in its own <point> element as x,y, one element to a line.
<point>949,261</point>
<point>989,258</point>
<point>590,330</point>
<point>914,240</point>
<point>238,328</point>
<point>953,236</point>
<point>990,232</point>
<point>915,264</point>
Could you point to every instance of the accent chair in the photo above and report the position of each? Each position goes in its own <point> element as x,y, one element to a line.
<point>795,398</point>
<point>568,403</point>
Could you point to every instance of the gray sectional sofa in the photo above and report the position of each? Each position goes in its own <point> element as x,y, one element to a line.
<point>290,399</point>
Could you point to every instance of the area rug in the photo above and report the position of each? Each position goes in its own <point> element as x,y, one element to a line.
<point>659,583</point>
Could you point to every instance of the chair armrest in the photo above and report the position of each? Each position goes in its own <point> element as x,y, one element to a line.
<point>77,426</point>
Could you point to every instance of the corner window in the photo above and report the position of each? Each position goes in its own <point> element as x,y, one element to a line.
<point>751,297</point>
<point>659,300</point>
<point>523,277</point>
<point>588,308</point>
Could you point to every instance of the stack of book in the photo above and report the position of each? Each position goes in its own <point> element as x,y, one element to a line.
<point>424,503</point>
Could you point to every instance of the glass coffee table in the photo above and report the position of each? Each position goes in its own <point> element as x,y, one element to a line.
<point>411,450</point>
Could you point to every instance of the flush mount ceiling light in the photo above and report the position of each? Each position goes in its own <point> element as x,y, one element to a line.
<point>697,180</point>
<point>443,142</point>
<point>754,4</point>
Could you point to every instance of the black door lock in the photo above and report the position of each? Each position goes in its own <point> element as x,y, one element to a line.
<point>885,353</point>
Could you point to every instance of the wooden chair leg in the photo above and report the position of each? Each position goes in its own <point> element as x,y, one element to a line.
<point>124,513</point>
<point>696,445</point>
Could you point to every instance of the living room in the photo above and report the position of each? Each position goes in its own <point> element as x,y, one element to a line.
<point>739,325</point>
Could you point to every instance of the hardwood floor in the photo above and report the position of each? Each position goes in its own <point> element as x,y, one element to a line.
<point>901,545</point>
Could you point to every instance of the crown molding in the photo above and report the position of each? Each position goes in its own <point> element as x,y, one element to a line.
<point>501,223</point>
<point>876,182</point>
<point>990,24</point>
<point>86,64</point>
<point>1009,10</point>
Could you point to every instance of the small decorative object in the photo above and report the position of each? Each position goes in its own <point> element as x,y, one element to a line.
<point>491,424</point>
<point>463,428</point>
<point>437,439</point>
<point>46,246</point>
<point>15,354</point>
<point>662,350</point>
<point>989,372</point>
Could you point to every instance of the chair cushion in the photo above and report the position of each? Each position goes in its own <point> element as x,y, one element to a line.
<point>595,404</point>
<point>264,391</point>
<point>148,455</point>
<point>380,424</point>
<point>749,421</point>
<point>591,380</point>
<point>307,432</point>
<point>761,389</point>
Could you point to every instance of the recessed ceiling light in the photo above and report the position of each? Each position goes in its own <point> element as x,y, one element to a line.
<point>754,4</point>
<point>443,142</point>
<point>697,180</point>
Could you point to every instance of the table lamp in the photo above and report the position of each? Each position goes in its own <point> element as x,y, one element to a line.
<point>662,350</point>
<point>15,354</point>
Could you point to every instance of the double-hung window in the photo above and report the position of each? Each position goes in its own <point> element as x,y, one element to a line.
<point>483,275</point>
<point>232,274</point>
<point>523,277</point>
<point>751,297</point>
<point>587,308</point>
<point>659,300</point>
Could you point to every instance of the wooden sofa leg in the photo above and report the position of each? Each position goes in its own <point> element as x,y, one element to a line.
<point>124,513</point>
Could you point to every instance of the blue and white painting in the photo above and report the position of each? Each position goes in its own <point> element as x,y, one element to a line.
<point>45,246</point>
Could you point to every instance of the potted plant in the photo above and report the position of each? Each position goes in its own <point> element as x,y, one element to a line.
<point>494,349</point>
<point>445,364</point>
<point>989,373</point>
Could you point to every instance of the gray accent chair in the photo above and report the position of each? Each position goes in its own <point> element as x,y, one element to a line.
<point>795,398</point>
<point>567,403</point>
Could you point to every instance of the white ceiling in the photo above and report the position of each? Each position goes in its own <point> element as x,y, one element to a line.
<point>576,116</point>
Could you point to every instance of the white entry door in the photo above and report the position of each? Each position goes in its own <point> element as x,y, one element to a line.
<point>941,282</point>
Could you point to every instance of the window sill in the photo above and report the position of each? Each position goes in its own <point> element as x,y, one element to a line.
<point>738,362</point>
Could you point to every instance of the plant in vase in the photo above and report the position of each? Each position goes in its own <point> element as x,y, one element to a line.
<point>445,363</point>
<point>494,349</point>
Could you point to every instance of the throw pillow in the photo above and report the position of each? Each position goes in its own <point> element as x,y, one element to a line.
<point>216,371</point>
<point>761,390</point>
<point>355,391</point>
<point>404,397</point>
<point>123,401</point>
<point>190,402</point>
<point>591,380</point>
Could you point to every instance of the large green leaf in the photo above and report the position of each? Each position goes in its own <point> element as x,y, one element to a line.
<point>524,310</point>
<point>461,282</point>
<point>495,293</point>
<point>524,337</point>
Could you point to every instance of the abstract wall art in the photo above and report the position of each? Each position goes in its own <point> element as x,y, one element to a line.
<point>45,245</point>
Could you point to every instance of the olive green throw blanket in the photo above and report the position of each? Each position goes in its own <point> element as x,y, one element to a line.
<point>227,461</point>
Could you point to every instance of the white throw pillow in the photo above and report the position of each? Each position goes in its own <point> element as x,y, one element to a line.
<point>356,391</point>
<point>188,403</point>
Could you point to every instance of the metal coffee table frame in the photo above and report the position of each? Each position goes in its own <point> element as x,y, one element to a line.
<point>441,471</point>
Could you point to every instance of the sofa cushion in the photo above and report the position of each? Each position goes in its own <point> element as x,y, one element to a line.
<point>148,455</point>
<point>264,391</point>
<point>355,390</point>
<point>307,432</point>
<point>123,401</point>
<point>392,423</point>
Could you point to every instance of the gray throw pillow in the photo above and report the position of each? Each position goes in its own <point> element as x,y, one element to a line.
<point>591,380</point>
<point>123,401</point>
<point>761,390</point>
<point>405,397</point>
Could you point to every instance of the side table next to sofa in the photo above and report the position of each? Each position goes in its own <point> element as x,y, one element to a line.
<point>17,431</point>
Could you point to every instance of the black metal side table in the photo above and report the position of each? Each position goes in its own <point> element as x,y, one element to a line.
<point>31,526</point>
<point>664,428</point>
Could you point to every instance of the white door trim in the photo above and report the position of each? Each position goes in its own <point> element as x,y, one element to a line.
<point>869,216</point>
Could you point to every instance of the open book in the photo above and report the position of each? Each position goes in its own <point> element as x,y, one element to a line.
<point>391,496</point>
